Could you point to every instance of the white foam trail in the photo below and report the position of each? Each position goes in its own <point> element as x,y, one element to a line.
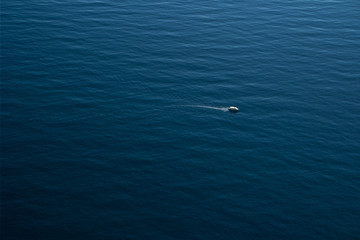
<point>224,109</point>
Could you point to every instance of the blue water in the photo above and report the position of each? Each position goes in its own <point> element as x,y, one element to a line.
<point>112,121</point>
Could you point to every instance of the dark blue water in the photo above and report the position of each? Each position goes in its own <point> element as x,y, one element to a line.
<point>112,123</point>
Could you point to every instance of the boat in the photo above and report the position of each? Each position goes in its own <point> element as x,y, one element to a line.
<point>233,109</point>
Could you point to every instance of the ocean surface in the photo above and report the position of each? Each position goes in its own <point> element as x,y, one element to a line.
<point>114,122</point>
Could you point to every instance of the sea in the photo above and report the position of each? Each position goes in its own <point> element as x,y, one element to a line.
<point>115,121</point>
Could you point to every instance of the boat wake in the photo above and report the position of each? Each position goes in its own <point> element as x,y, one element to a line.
<point>224,109</point>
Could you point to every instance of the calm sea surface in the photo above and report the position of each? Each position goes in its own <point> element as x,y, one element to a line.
<point>113,123</point>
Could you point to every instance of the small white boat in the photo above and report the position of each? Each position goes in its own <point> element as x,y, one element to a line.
<point>233,109</point>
